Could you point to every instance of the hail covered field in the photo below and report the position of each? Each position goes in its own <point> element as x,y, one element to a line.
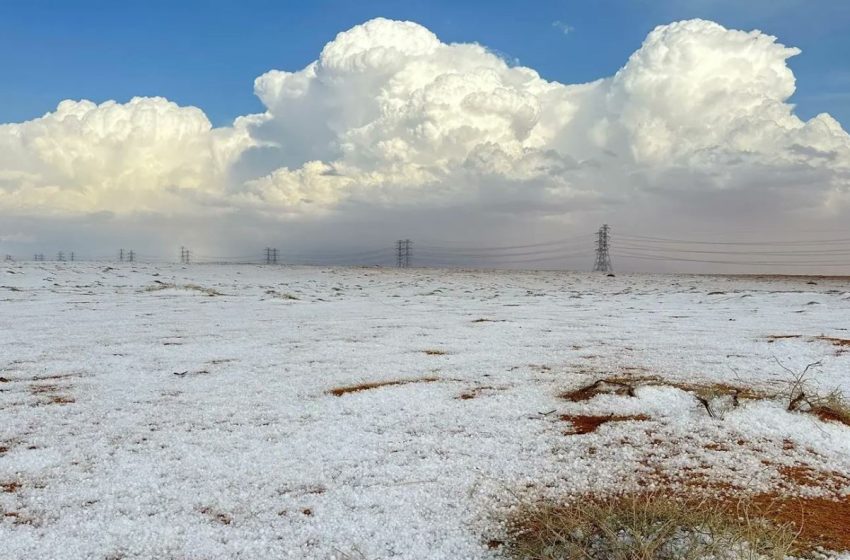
<point>165,411</point>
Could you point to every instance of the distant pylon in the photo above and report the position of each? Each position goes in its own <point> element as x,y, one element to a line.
<point>271,256</point>
<point>60,256</point>
<point>121,255</point>
<point>403,253</point>
<point>131,256</point>
<point>603,259</point>
<point>185,256</point>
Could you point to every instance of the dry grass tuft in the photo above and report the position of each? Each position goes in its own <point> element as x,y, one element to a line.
<point>644,527</point>
<point>583,424</point>
<point>434,352</point>
<point>340,391</point>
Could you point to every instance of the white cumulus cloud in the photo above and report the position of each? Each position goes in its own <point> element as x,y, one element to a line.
<point>131,157</point>
<point>390,116</point>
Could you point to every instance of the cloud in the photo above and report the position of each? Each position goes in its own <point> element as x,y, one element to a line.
<point>400,121</point>
<point>564,28</point>
<point>391,118</point>
<point>134,157</point>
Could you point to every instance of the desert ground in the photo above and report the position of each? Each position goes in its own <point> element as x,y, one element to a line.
<point>239,411</point>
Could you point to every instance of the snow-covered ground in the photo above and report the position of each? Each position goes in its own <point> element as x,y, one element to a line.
<point>109,450</point>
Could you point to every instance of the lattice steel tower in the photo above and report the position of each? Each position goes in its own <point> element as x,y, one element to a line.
<point>603,259</point>
<point>403,253</point>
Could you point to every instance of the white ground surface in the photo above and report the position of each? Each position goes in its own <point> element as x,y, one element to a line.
<point>248,456</point>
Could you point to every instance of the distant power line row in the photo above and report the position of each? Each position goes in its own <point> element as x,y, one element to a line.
<point>597,248</point>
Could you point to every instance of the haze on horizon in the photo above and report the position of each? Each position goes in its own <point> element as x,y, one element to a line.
<point>390,132</point>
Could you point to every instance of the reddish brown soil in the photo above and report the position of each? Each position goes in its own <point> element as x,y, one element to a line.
<point>587,424</point>
<point>340,391</point>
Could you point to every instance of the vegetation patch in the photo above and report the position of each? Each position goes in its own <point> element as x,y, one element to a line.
<point>802,397</point>
<point>434,352</point>
<point>340,391</point>
<point>644,527</point>
<point>705,393</point>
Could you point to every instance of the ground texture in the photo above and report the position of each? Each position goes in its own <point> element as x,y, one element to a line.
<point>262,412</point>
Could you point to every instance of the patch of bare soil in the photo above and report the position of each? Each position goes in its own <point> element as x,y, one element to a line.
<point>584,424</point>
<point>609,386</point>
<point>340,391</point>
<point>475,392</point>
<point>218,516</point>
<point>842,344</point>
<point>50,393</point>
<point>821,522</point>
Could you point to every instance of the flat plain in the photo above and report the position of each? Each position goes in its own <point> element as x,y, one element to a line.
<point>234,411</point>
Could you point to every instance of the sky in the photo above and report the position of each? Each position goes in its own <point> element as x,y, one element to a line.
<point>480,124</point>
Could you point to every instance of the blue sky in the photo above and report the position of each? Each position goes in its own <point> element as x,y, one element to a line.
<point>207,54</point>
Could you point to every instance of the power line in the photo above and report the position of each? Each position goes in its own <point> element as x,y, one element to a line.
<point>711,261</point>
<point>746,243</point>
<point>712,252</point>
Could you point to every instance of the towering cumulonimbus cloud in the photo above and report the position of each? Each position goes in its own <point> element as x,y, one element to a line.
<point>389,115</point>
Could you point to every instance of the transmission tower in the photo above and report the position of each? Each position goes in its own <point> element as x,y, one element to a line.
<point>403,253</point>
<point>60,256</point>
<point>131,256</point>
<point>72,256</point>
<point>603,259</point>
<point>185,256</point>
<point>271,256</point>
<point>121,255</point>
